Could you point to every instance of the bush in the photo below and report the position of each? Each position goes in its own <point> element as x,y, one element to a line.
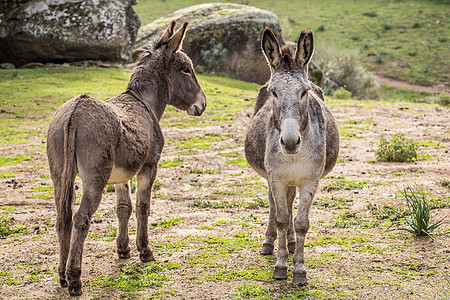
<point>442,98</point>
<point>398,149</point>
<point>342,93</point>
<point>345,69</point>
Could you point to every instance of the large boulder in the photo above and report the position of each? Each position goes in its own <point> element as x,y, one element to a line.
<point>223,38</point>
<point>68,30</point>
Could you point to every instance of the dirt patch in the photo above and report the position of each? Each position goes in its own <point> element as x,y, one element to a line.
<point>381,78</point>
<point>217,249</point>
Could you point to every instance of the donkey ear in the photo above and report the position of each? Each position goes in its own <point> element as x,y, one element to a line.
<point>175,41</point>
<point>271,48</point>
<point>167,34</point>
<point>305,48</point>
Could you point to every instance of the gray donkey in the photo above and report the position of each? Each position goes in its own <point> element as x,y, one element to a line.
<point>292,141</point>
<point>108,142</point>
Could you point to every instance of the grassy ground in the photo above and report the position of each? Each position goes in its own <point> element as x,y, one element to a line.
<point>409,40</point>
<point>209,209</point>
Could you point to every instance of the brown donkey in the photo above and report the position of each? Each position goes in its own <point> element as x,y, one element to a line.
<point>108,142</point>
<point>292,141</point>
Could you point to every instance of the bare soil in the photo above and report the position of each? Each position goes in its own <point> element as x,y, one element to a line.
<point>351,274</point>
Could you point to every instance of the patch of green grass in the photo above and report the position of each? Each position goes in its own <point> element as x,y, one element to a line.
<point>7,228</point>
<point>171,163</point>
<point>431,144</point>
<point>198,142</point>
<point>205,171</point>
<point>348,219</point>
<point>252,273</point>
<point>8,174</point>
<point>41,188</point>
<point>241,162</point>
<point>399,149</point>
<point>334,202</point>
<point>167,223</point>
<point>322,260</point>
<point>249,291</point>
<point>230,154</point>
<point>137,276</point>
<point>386,211</point>
<point>343,184</point>
<point>13,160</point>
<point>7,278</point>
<point>96,236</point>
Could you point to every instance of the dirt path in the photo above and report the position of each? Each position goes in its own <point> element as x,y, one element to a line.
<point>402,84</point>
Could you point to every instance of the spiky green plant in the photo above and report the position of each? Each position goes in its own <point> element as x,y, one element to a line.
<point>417,221</point>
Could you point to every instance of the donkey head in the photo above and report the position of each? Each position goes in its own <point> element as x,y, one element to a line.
<point>176,81</point>
<point>289,87</point>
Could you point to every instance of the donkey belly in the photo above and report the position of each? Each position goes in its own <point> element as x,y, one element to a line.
<point>120,175</point>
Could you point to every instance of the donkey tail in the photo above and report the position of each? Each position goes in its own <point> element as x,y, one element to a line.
<point>69,173</point>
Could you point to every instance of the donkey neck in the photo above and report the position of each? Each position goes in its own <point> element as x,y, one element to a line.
<point>154,95</point>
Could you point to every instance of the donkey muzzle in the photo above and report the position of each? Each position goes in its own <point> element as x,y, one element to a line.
<point>290,138</point>
<point>199,107</point>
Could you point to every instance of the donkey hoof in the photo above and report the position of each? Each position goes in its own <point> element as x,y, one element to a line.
<point>124,254</point>
<point>63,282</point>
<point>291,247</point>
<point>299,278</point>
<point>267,249</point>
<point>280,273</point>
<point>75,288</point>
<point>146,255</point>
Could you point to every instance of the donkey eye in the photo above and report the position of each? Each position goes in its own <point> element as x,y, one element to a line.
<point>274,94</point>
<point>304,93</point>
<point>186,71</point>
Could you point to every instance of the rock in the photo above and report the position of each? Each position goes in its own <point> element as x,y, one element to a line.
<point>7,66</point>
<point>68,30</point>
<point>223,38</point>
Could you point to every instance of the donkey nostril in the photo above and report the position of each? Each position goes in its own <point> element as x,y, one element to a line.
<point>282,141</point>
<point>298,141</point>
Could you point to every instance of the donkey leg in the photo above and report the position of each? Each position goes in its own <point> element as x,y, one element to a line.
<point>301,228</point>
<point>123,210</point>
<point>271,232</point>
<point>282,221</point>
<point>145,180</point>
<point>64,235</point>
<point>81,223</point>
<point>290,196</point>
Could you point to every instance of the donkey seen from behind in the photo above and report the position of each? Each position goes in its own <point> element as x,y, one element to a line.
<point>109,142</point>
<point>292,142</point>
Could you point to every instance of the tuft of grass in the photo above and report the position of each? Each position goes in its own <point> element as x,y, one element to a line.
<point>7,228</point>
<point>418,220</point>
<point>167,223</point>
<point>343,184</point>
<point>334,202</point>
<point>399,149</point>
<point>171,163</point>
<point>137,276</point>
<point>249,291</point>
<point>13,160</point>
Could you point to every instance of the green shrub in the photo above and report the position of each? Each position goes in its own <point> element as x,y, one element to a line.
<point>443,98</point>
<point>342,93</point>
<point>371,14</point>
<point>418,220</point>
<point>398,149</point>
<point>346,70</point>
<point>321,28</point>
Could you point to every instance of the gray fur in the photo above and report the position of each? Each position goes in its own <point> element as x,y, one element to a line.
<point>292,141</point>
<point>109,142</point>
